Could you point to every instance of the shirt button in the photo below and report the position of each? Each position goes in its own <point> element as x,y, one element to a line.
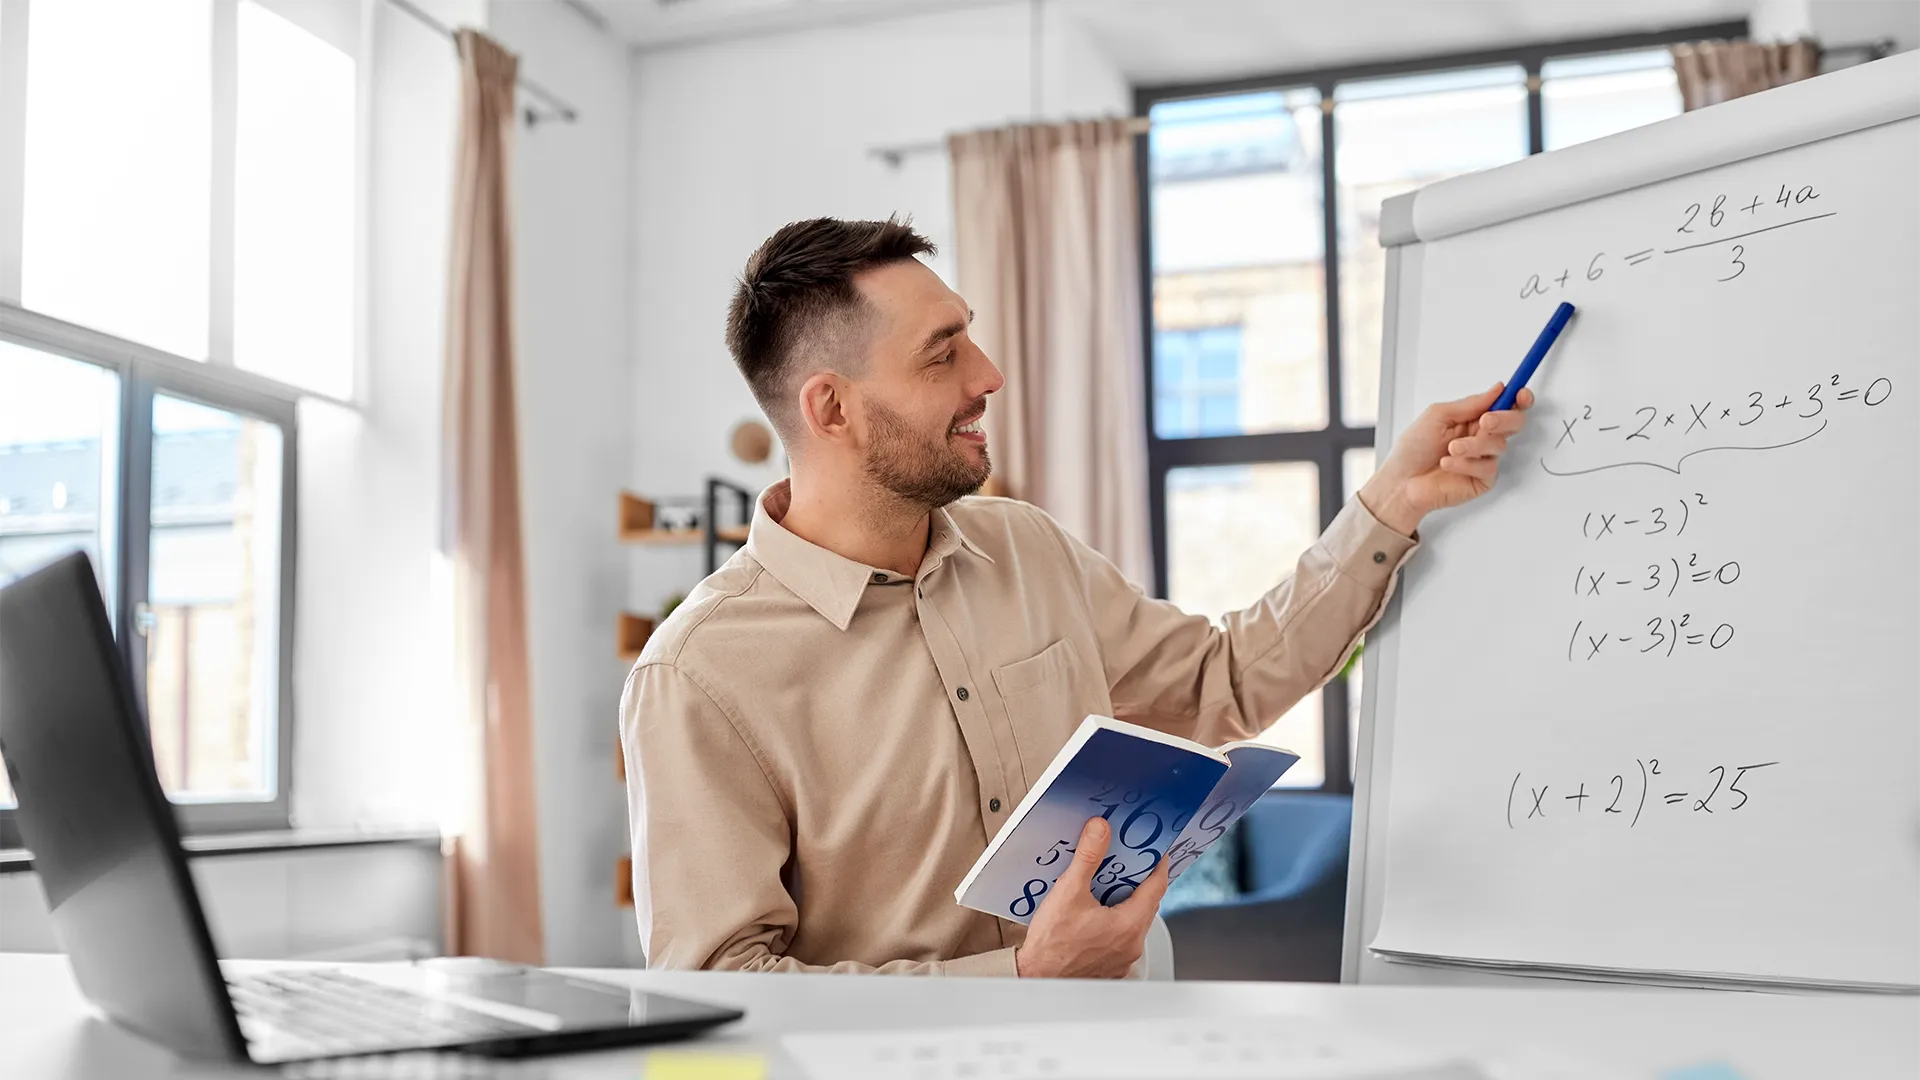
<point>1379,556</point>
<point>961,693</point>
<point>993,805</point>
<point>881,579</point>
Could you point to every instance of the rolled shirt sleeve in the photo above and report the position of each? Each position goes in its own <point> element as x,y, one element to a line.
<point>1178,672</point>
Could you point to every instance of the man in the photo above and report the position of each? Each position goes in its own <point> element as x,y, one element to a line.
<point>822,739</point>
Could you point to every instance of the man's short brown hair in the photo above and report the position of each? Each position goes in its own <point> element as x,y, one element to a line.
<point>796,302</point>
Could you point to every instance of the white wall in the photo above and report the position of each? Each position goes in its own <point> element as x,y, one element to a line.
<point>370,711</point>
<point>372,718</point>
<point>372,715</point>
<point>1077,78</point>
<point>734,139</point>
<point>1838,22</point>
<point>1780,20</point>
<point>1853,22</point>
<point>357,903</point>
<point>571,196</point>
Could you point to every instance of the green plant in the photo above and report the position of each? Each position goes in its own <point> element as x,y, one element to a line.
<point>1358,648</point>
<point>673,601</point>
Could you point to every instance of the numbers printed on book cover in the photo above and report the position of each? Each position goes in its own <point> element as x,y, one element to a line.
<point>1141,834</point>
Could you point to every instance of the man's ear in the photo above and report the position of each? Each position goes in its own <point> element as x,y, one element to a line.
<point>824,407</point>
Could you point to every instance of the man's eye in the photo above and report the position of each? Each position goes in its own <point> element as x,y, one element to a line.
<point>948,358</point>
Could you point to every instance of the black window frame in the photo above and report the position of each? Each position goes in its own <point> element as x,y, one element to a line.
<point>143,373</point>
<point>1326,447</point>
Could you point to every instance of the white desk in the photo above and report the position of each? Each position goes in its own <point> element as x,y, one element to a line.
<point>48,1033</point>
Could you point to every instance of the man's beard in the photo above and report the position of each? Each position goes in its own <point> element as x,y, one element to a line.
<point>915,469</point>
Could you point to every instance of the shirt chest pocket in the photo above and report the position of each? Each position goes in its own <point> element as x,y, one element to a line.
<point>1046,696</point>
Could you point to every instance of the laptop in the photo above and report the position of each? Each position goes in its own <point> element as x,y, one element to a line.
<point>107,849</point>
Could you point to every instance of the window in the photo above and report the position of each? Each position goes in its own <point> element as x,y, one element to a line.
<point>1393,136</point>
<point>186,271</point>
<point>58,467</point>
<point>1237,243</point>
<point>1211,511</point>
<point>1588,97</point>
<point>58,460</point>
<point>210,624</point>
<point>118,156</point>
<point>148,216</point>
<point>1262,212</point>
<point>1196,380</point>
<point>178,488</point>
<point>293,278</point>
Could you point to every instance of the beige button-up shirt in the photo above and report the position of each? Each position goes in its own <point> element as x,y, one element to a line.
<point>817,750</point>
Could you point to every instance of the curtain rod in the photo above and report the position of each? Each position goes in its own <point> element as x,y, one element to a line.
<point>898,153</point>
<point>562,110</point>
<point>895,155</point>
<point>1877,49</point>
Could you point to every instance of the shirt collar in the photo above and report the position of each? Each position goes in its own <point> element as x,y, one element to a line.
<point>947,537</point>
<point>830,584</point>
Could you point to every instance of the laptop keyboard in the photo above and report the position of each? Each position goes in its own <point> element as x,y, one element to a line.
<point>323,1011</point>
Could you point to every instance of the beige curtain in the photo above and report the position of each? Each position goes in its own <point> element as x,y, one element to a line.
<point>493,896</point>
<point>1046,230</point>
<point>1714,71</point>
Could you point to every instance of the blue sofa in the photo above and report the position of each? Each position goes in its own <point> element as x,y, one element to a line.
<point>1282,911</point>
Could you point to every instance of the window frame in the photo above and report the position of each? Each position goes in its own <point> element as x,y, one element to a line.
<point>215,381</point>
<point>144,372</point>
<point>1326,447</point>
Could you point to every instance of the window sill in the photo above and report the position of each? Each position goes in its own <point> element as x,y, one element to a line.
<point>20,860</point>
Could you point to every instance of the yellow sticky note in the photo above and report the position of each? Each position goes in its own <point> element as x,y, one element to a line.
<point>696,1065</point>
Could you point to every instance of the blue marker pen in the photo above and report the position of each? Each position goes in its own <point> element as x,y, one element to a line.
<point>1534,355</point>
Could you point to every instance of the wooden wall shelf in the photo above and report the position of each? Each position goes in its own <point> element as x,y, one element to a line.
<point>636,514</point>
<point>637,527</point>
<point>639,523</point>
<point>661,536</point>
<point>630,635</point>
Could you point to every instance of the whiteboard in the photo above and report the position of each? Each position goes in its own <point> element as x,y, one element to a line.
<point>1648,711</point>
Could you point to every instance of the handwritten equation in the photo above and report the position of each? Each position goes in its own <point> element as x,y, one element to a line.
<point>1651,422</point>
<point>1663,577</point>
<point>1627,793</point>
<point>1654,434</point>
<point>1695,233</point>
<point>1661,636</point>
<point>1677,515</point>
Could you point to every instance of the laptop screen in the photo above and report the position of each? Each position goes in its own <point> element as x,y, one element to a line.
<point>102,833</point>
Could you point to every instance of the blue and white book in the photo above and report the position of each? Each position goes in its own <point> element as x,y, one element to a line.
<point>1167,799</point>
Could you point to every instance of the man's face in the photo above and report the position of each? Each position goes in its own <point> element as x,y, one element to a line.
<point>926,389</point>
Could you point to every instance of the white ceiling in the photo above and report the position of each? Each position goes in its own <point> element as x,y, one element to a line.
<point>1163,41</point>
<point>652,24</point>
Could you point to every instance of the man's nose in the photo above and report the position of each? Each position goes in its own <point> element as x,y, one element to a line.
<point>990,379</point>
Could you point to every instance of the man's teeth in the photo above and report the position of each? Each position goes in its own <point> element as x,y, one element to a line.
<point>968,429</point>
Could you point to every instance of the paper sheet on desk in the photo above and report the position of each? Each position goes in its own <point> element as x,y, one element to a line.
<point>1220,1048</point>
<point>1686,980</point>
